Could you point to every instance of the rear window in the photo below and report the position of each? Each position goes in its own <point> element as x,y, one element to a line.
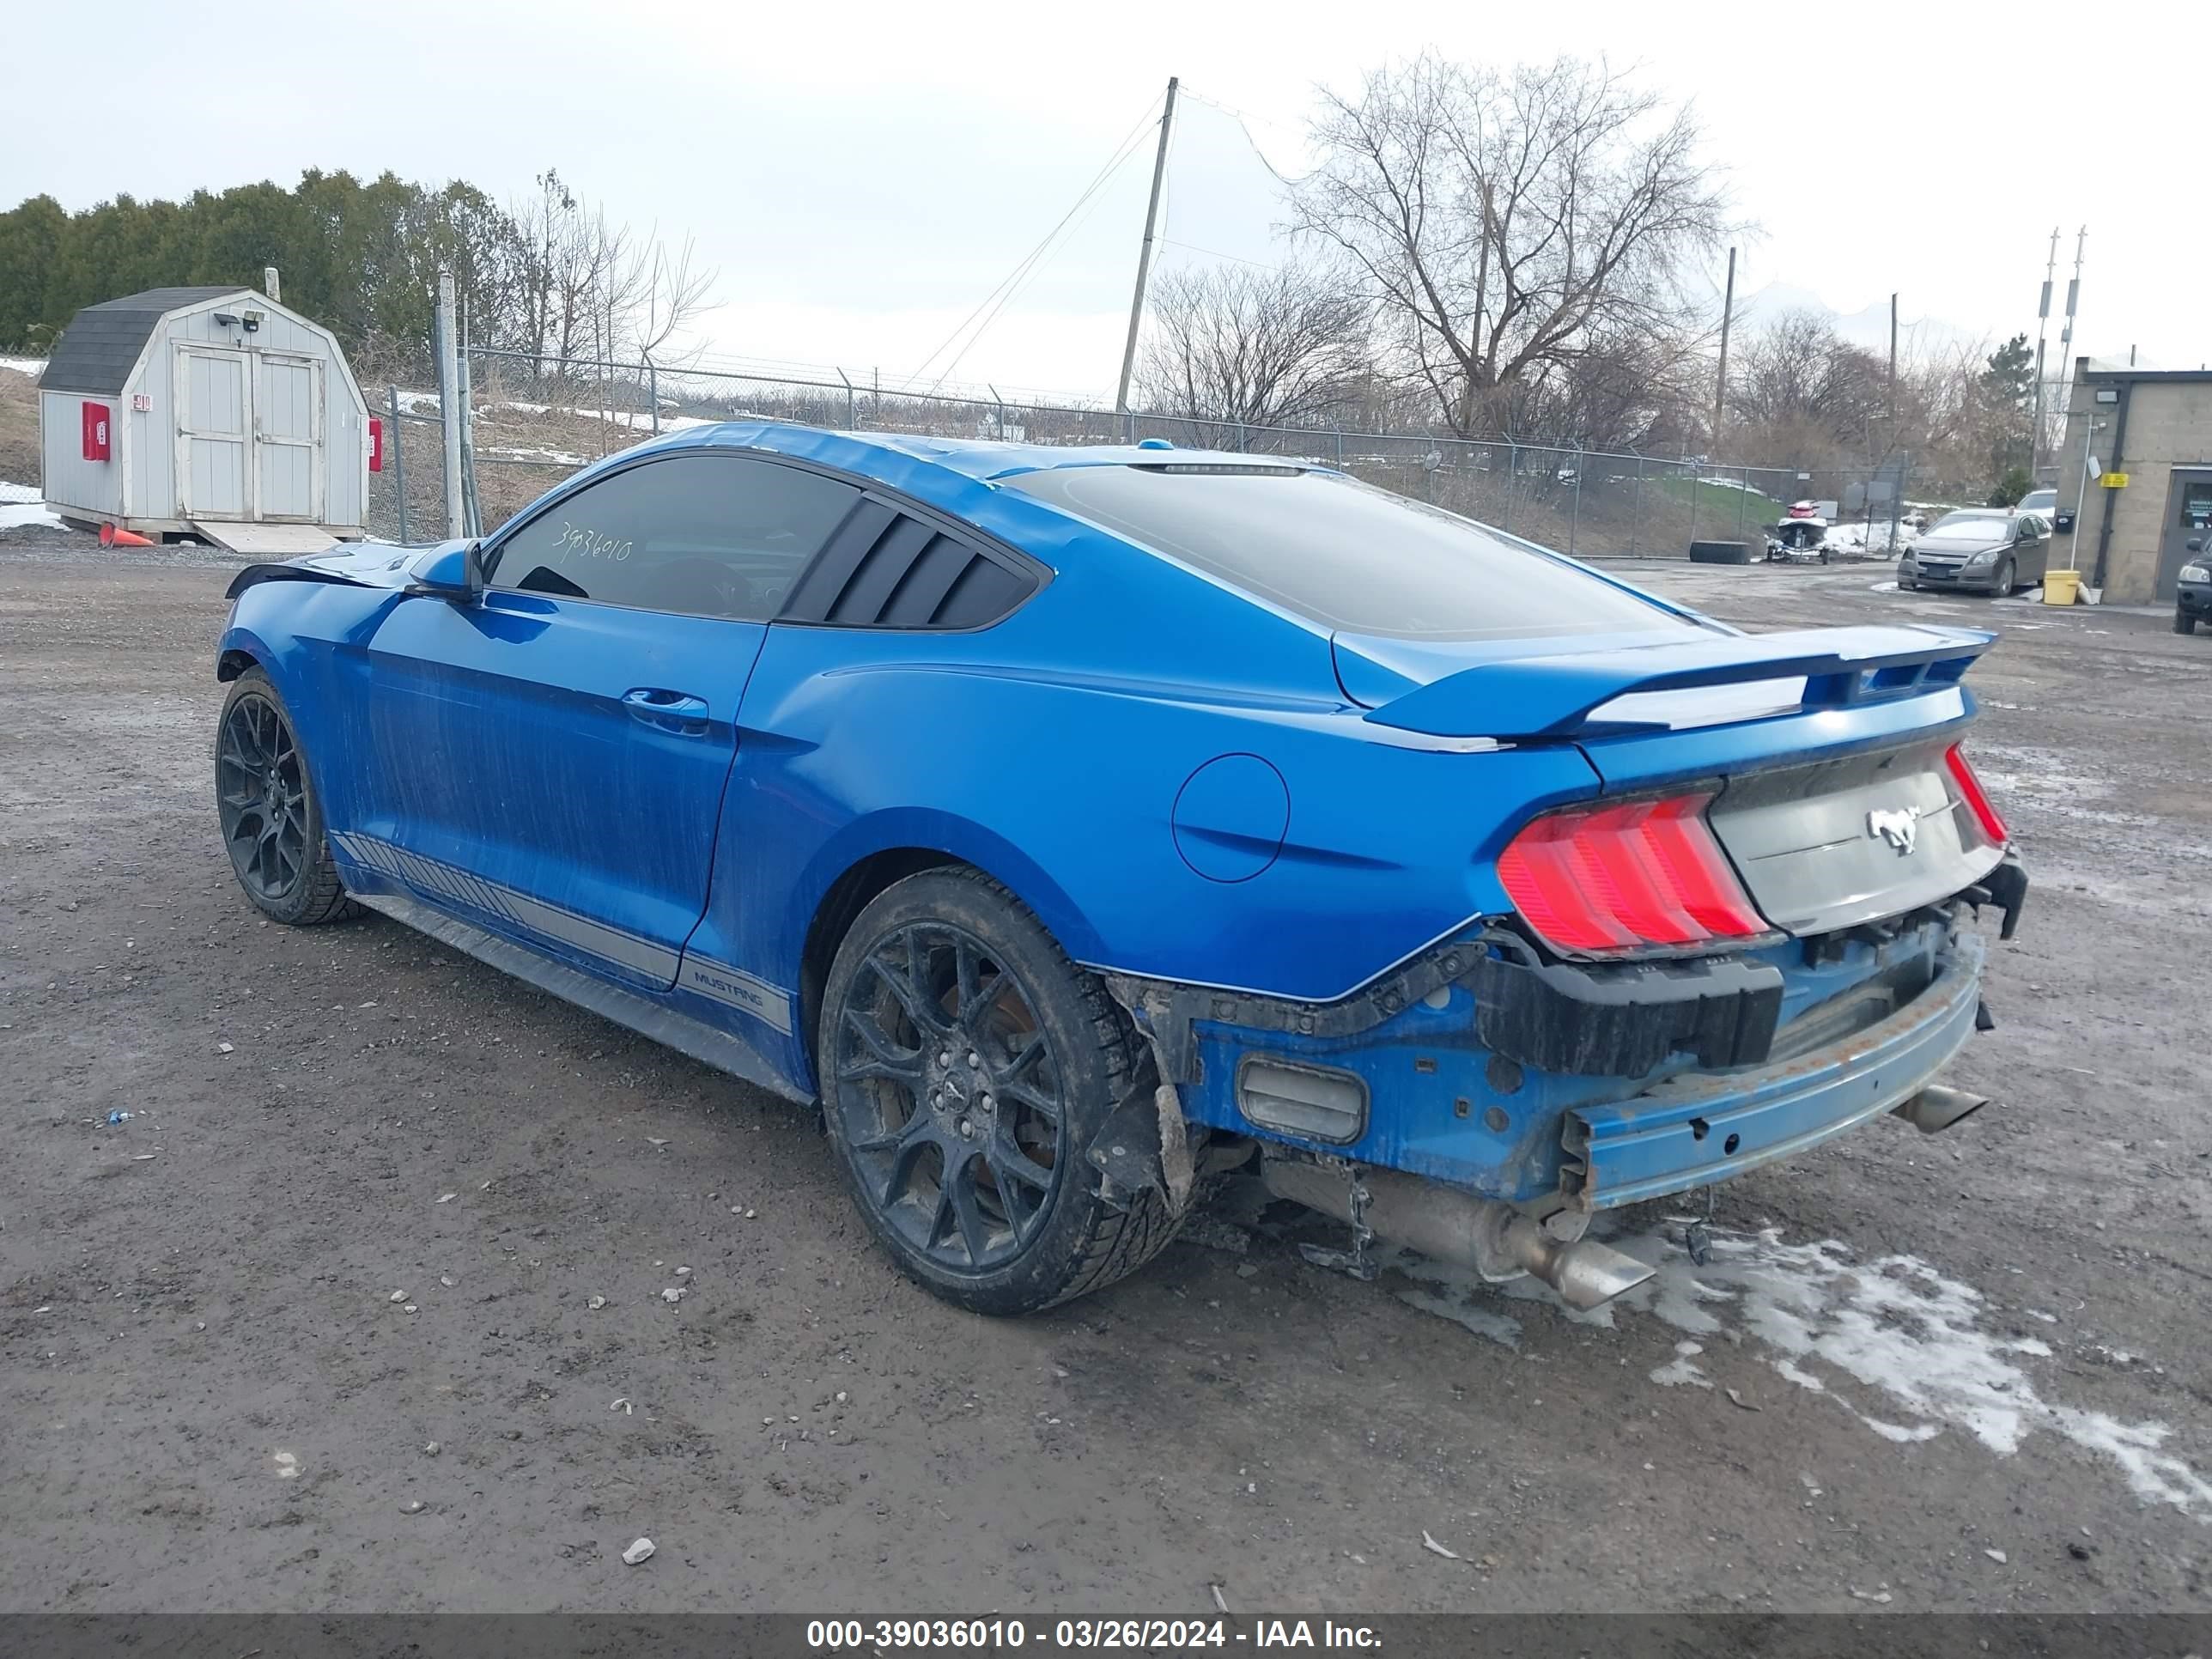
<point>1343,554</point>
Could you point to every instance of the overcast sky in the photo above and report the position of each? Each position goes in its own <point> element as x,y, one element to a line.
<point>864,176</point>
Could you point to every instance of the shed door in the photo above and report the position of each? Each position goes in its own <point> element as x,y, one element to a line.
<point>288,436</point>
<point>215,425</point>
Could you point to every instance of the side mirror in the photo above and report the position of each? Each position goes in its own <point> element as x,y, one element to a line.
<point>2194,544</point>
<point>454,575</point>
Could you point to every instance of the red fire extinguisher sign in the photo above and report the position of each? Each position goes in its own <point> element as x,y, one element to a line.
<point>95,432</point>
<point>375,444</point>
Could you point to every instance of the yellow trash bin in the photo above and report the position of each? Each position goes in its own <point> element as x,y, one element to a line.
<point>2060,586</point>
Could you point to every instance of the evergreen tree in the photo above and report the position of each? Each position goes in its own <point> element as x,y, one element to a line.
<point>2010,377</point>
<point>2007,390</point>
<point>359,258</point>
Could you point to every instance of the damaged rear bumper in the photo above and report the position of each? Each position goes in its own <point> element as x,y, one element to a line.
<point>1559,1086</point>
<point>1698,1128</point>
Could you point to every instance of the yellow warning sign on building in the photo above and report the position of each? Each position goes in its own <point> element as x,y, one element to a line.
<point>2114,481</point>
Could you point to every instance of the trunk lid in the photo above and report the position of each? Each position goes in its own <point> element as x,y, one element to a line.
<point>1852,839</point>
<point>1826,749</point>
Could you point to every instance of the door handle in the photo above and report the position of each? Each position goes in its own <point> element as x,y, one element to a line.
<point>671,711</point>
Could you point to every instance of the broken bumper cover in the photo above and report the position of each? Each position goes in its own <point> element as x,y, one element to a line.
<point>1702,1127</point>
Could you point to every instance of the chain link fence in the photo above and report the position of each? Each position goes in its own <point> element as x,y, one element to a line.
<point>533,420</point>
<point>407,497</point>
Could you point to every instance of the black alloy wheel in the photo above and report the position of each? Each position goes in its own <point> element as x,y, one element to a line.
<point>950,1098</point>
<point>966,1067</point>
<point>262,798</point>
<point>265,804</point>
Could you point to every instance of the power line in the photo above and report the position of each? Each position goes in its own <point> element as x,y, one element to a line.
<point>1216,253</point>
<point>1013,277</point>
<point>1097,196</point>
<point>1242,118</point>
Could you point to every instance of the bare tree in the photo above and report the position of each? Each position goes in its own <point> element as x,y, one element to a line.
<point>1507,223</point>
<point>587,286</point>
<point>1257,348</point>
<point>1798,371</point>
<point>1624,391</point>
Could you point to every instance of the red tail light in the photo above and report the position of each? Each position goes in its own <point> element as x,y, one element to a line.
<point>1626,875</point>
<point>1975,798</point>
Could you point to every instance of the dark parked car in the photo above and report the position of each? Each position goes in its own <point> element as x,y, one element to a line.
<point>1994,549</point>
<point>2192,589</point>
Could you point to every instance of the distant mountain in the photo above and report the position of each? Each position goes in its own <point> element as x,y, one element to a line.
<point>1869,328</point>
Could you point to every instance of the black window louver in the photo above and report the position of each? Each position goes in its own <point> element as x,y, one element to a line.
<point>887,568</point>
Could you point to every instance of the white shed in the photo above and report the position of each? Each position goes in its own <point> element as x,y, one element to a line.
<point>206,410</point>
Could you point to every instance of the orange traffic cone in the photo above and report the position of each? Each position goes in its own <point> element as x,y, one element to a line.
<point>112,536</point>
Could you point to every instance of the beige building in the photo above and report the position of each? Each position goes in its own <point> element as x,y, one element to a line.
<point>2154,428</point>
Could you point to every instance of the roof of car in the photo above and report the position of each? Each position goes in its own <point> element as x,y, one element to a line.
<point>982,460</point>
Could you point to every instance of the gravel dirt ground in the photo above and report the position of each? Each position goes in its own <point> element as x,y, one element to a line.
<point>314,1329</point>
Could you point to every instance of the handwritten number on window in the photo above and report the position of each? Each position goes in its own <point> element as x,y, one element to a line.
<point>586,542</point>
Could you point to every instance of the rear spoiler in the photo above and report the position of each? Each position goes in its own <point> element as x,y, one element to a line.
<point>1532,697</point>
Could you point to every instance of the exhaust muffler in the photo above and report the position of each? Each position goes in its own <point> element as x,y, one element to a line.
<point>1937,1107</point>
<point>1493,1239</point>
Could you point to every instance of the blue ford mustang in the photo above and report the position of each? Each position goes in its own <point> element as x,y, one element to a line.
<point>1076,824</point>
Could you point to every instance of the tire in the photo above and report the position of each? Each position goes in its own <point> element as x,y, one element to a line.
<point>1904,586</point>
<point>2183,623</point>
<point>285,870</point>
<point>1719,553</point>
<point>995,1238</point>
<point>2002,587</point>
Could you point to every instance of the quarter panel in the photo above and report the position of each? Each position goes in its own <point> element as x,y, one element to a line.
<point>1062,781</point>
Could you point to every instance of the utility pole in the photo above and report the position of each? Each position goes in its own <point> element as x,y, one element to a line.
<point>1893,367</point>
<point>1144,254</point>
<point>450,412</point>
<point>1720,388</point>
<point>2073,293</point>
<point>2042,328</point>
<point>1889,446</point>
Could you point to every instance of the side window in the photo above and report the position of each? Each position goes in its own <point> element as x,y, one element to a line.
<point>704,534</point>
<point>889,569</point>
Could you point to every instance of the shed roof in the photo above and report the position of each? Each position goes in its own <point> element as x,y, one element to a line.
<point>97,350</point>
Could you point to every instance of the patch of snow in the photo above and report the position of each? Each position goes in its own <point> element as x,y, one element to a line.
<point>1792,1372</point>
<point>1874,538</point>
<point>1501,1328</point>
<point>549,457</point>
<point>417,402</point>
<point>637,420</point>
<point>1892,1326</point>
<point>1899,1433</point>
<point>23,504</point>
<point>33,367</point>
<point>1683,1369</point>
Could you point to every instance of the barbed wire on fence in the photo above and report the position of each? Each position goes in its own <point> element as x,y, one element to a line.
<point>535,418</point>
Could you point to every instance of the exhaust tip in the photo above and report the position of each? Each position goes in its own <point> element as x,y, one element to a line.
<point>1588,1274</point>
<point>1937,1107</point>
